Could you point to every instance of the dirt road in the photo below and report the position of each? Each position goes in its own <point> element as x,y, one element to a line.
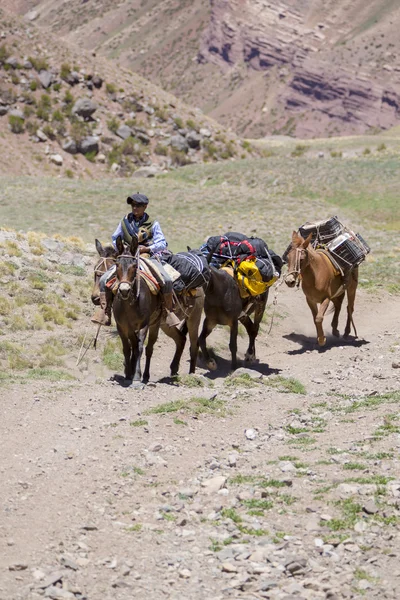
<point>251,489</point>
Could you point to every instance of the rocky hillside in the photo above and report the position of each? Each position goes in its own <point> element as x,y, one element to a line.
<point>305,69</point>
<point>73,113</point>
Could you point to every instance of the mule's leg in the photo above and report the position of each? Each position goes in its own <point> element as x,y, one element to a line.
<point>137,349</point>
<point>318,321</point>
<point>126,348</point>
<point>208,326</point>
<point>252,328</point>
<point>351,296</point>
<point>233,343</point>
<point>320,333</point>
<point>192,325</point>
<point>180,340</point>
<point>337,303</point>
<point>153,335</point>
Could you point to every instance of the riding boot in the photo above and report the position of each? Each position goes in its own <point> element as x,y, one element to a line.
<point>170,318</point>
<point>102,314</point>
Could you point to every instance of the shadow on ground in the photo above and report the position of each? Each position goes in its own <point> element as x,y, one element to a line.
<point>307,344</point>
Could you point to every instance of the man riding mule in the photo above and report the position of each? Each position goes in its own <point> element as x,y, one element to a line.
<point>151,243</point>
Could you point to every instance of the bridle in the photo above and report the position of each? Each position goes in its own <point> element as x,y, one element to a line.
<point>296,271</point>
<point>125,282</point>
<point>103,265</point>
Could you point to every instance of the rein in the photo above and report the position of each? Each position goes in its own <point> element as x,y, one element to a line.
<point>297,266</point>
<point>102,267</point>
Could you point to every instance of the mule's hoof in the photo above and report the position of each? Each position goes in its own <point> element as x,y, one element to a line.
<point>335,332</point>
<point>249,357</point>
<point>212,365</point>
<point>321,341</point>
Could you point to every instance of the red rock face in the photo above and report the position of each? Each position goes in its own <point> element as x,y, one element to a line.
<point>318,89</point>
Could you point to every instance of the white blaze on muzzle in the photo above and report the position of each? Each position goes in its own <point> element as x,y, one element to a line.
<point>124,288</point>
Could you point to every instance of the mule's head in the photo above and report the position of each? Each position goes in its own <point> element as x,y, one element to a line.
<point>126,272</point>
<point>297,258</point>
<point>107,259</point>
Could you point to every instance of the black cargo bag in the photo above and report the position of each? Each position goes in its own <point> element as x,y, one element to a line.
<point>193,267</point>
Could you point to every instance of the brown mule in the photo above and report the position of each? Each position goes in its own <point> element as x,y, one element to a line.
<point>224,306</point>
<point>321,284</point>
<point>190,313</point>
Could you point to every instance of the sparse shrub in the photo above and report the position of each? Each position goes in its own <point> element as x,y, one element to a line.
<point>299,150</point>
<point>49,131</point>
<point>4,53</point>
<point>33,85</point>
<point>110,88</point>
<point>161,150</point>
<point>113,124</point>
<point>246,145</point>
<point>209,148</point>
<point>14,78</point>
<point>29,98</point>
<point>79,130</point>
<point>43,110</point>
<point>69,174</point>
<point>53,314</point>
<point>178,122</point>
<point>39,63</point>
<point>191,124</point>
<point>16,124</point>
<point>336,154</point>
<point>91,156</point>
<point>65,71</point>
<point>5,306</point>
<point>161,113</point>
<point>381,147</point>
<point>367,151</point>
<point>28,111</point>
<point>32,127</point>
<point>56,87</point>
<point>179,158</point>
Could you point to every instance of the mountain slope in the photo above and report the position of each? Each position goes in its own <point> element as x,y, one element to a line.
<point>69,111</point>
<point>316,68</point>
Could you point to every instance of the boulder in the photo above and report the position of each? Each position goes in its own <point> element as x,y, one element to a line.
<point>89,144</point>
<point>179,143</point>
<point>3,110</point>
<point>70,146</point>
<point>57,159</point>
<point>193,139</point>
<point>45,78</point>
<point>84,107</point>
<point>97,81</point>
<point>12,62</point>
<point>17,113</point>
<point>124,132</point>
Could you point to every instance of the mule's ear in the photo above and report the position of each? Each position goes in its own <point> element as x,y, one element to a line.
<point>120,245</point>
<point>99,247</point>
<point>189,248</point>
<point>134,245</point>
<point>307,240</point>
<point>295,236</point>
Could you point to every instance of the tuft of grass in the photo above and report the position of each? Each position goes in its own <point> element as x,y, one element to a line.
<point>138,423</point>
<point>191,381</point>
<point>112,355</point>
<point>196,406</point>
<point>244,379</point>
<point>285,384</point>
<point>354,466</point>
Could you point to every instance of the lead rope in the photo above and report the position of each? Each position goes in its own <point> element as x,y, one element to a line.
<point>94,340</point>
<point>275,302</point>
<point>138,277</point>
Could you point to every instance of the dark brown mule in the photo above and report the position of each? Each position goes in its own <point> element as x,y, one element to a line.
<point>135,308</point>
<point>321,284</point>
<point>224,306</point>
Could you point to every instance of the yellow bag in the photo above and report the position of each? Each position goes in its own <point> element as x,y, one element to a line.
<point>250,280</point>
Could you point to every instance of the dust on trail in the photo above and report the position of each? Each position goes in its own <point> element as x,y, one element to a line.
<point>101,500</point>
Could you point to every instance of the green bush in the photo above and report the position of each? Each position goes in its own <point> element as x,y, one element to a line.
<point>79,130</point>
<point>191,124</point>
<point>56,87</point>
<point>110,88</point>
<point>179,158</point>
<point>4,53</point>
<point>16,124</point>
<point>178,122</point>
<point>161,150</point>
<point>39,64</point>
<point>33,85</point>
<point>43,110</point>
<point>113,124</point>
<point>65,71</point>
